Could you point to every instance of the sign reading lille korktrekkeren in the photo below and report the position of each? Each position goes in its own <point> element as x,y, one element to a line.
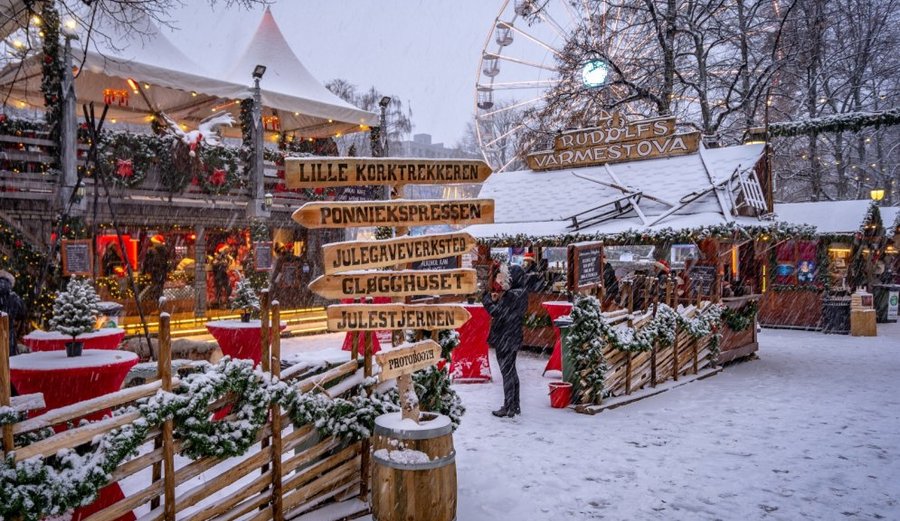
<point>368,171</point>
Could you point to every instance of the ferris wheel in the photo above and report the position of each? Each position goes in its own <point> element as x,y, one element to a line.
<point>547,65</point>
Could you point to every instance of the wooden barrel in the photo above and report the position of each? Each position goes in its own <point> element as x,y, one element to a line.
<point>414,469</point>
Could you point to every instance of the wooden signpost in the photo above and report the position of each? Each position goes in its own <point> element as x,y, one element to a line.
<point>615,141</point>
<point>405,283</point>
<point>376,317</point>
<point>394,213</point>
<point>359,255</point>
<point>400,363</point>
<point>367,171</point>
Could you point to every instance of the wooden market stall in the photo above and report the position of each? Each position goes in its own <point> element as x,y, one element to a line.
<point>649,196</point>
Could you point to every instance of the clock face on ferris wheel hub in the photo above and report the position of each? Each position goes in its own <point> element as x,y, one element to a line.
<point>595,73</point>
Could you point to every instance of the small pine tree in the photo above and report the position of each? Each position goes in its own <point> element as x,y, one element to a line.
<point>244,297</point>
<point>75,309</point>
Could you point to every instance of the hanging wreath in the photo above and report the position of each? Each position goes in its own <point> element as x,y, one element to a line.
<point>219,170</point>
<point>129,157</point>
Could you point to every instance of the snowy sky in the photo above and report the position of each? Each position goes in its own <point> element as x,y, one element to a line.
<point>424,51</point>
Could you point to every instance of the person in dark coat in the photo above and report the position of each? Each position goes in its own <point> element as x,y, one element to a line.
<point>611,286</point>
<point>11,304</point>
<point>157,265</point>
<point>507,310</point>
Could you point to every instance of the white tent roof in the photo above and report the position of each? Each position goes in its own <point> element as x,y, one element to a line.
<point>289,87</point>
<point>543,203</point>
<point>174,84</point>
<point>827,216</point>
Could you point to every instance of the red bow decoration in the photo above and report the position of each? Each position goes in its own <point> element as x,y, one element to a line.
<point>217,178</point>
<point>124,168</point>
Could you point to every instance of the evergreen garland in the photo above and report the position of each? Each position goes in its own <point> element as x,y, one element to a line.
<point>585,339</point>
<point>129,157</point>
<point>849,122</point>
<point>259,279</point>
<point>742,318</point>
<point>52,72</point>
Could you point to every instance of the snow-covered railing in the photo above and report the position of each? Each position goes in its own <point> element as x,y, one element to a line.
<point>290,466</point>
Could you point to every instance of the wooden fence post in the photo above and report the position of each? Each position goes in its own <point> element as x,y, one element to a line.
<point>694,353</point>
<point>675,356</point>
<point>164,367</point>
<point>629,287</point>
<point>628,373</point>
<point>275,364</point>
<point>653,365</point>
<point>5,382</point>
<point>264,360</point>
<point>366,443</point>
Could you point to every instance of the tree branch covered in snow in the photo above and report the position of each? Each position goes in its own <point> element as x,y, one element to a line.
<point>847,122</point>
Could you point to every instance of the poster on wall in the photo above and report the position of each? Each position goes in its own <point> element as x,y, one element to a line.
<point>893,304</point>
<point>262,253</point>
<point>76,257</point>
<point>806,272</point>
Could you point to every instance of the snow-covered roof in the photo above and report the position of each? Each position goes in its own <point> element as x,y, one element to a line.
<point>843,217</point>
<point>889,215</point>
<point>185,90</point>
<point>543,203</point>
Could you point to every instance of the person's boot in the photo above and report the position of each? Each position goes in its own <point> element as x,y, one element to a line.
<point>514,411</point>
<point>502,412</point>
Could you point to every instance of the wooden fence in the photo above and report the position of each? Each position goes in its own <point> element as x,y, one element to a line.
<point>290,470</point>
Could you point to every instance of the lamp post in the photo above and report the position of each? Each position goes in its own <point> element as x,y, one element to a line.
<point>385,101</point>
<point>877,194</point>
<point>257,207</point>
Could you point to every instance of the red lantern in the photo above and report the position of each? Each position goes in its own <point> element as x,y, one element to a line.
<point>124,168</point>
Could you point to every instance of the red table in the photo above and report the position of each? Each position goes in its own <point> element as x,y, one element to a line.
<point>106,338</point>
<point>556,309</point>
<point>239,339</point>
<point>469,361</point>
<point>64,381</point>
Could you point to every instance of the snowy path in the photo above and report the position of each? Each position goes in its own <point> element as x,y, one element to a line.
<point>809,431</point>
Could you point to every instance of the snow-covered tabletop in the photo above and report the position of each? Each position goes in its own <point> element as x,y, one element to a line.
<point>57,360</point>
<point>106,338</point>
<point>239,339</point>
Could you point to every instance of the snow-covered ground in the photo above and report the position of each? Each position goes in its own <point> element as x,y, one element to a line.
<point>811,430</point>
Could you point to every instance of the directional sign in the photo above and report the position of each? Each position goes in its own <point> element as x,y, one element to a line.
<point>394,213</point>
<point>374,317</point>
<point>358,171</point>
<point>405,283</point>
<point>359,255</point>
<point>408,358</point>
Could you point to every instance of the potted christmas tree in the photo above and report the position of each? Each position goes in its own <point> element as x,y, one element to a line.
<point>75,312</point>
<point>245,299</point>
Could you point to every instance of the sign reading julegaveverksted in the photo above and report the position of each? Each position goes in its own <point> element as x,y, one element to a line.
<point>360,255</point>
<point>358,171</point>
<point>394,213</point>
<point>374,317</point>
<point>408,358</point>
<point>615,141</point>
<point>404,283</point>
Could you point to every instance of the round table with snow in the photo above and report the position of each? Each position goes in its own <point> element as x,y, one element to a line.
<point>64,381</point>
<point>239,339</point>
<point>106,338</point>
<point>556,309</point>
<point>469,360</point>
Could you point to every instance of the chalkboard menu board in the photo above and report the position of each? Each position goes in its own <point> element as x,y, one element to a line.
<point>703,279</point>
<point>262,252</point>
<point>585,266</point>
<point>446,263</point>
<point>77,257</point>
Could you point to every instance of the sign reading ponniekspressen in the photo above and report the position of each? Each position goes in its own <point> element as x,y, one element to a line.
<point>394,213</point>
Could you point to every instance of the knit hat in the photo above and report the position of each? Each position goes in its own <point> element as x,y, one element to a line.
<point>8,276</point>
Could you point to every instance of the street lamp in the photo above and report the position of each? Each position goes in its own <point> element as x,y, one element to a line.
<point>385,101</point>
<point>877,194</point>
